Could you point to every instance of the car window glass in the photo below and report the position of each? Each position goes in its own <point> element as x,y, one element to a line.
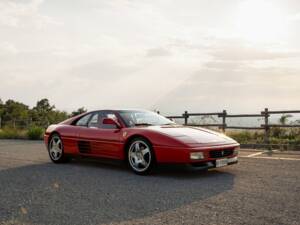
<point>132,118</point>
<point>83,120</point>
<point>111,116</point>
<point>94,122</point>
<point>105,115</point>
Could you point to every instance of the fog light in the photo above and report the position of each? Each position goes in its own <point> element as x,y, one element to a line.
<point>196,155</point>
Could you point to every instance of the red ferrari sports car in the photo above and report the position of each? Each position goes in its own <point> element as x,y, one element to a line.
<point>140,137</point>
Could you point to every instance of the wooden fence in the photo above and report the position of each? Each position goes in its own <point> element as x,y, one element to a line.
<point>23,124</point>
<point>265,114</point>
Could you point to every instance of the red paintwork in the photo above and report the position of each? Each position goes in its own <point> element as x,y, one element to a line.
<point>171,143</point>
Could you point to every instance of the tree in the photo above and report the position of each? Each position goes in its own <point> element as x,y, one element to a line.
<point>43,106</point>
<point>79,111</point>
<point>44,114</point>
<point>13,112</point>
<point>41,113</point>
<point>57,116</point>
<point>19,115</point>
<point>1,107</point>
<point>1,112</point>
<point>284,119</point>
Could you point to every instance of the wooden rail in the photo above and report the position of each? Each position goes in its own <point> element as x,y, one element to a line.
<point>245,115</point>
<point>265,114</point>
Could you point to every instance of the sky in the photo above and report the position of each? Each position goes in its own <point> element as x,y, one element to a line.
<point>169,55</point>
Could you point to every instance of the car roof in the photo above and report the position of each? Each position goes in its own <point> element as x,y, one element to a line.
<point>120,110</point>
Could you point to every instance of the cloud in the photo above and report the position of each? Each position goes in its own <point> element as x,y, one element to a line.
<point>295,17</point>
<point>245,90</point>
<point>133,53</point>
<point>103,71</point>
<point>7,48</point>
<point>220,64</point>
<point>240,53</point>
<point>237,49</point>
<point>22,14</point>
<point>157,52</point>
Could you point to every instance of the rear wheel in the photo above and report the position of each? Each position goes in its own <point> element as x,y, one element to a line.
<point>141,158</point>
<point>56,149</point>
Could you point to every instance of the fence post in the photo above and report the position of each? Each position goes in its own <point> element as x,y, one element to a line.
<point>267,128</point>
<point>224,120</point>
<point>186,116</point>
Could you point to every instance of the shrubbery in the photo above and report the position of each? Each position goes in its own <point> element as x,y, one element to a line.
<point>19,121</point>
<point>246,136</point>
<point>12,133</point>
<point>35,133</point>
<point>282,136</point>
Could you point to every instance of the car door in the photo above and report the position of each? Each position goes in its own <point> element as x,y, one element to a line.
<point>83,146</point>
<point>101,140</point>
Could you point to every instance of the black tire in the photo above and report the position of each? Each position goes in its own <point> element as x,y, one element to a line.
<point>145,155</point>
<point>56,153</point>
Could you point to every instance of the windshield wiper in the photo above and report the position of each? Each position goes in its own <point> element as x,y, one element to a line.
<point>143,124</point>
<point>168,124</point>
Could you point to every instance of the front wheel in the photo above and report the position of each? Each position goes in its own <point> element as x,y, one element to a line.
<point>56,149</point>
<point>141,158</point>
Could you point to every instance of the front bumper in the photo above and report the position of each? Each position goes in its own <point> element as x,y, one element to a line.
<point>211,164</point>
<point>46,139</point>
<point>200,166</point>
<point>165,154</point>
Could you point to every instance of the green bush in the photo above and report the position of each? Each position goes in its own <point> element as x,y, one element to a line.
<point>35,133</point>
<point>12,133</point>
<point>246,136</point>
<point>278,136</point>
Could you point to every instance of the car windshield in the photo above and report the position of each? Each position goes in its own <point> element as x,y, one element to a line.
<point>143,118</point>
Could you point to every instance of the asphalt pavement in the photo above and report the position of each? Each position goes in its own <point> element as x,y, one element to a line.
<point>262,189</point>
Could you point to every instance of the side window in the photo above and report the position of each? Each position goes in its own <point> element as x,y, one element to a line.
<point>107,115</point>
<point>94,122</point>
<point>111,116</point>
<point>83,120</point>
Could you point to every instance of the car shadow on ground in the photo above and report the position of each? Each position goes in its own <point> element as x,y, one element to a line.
<point>88,192</point>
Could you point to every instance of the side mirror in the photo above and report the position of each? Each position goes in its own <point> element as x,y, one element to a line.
<point>109,121</point>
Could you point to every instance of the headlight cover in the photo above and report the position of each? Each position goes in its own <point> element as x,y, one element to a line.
<point>196,155</point>
<point>236,150</point>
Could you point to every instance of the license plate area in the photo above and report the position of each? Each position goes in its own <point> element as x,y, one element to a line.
<point>221,162</point>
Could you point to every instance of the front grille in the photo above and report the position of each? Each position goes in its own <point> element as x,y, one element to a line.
<point>220,153</point>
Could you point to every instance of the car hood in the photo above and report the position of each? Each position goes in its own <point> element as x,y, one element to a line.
<point>193,135</point>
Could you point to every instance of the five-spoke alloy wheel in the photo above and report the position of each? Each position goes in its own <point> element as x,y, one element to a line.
<point>56,150</point>
<point>140,156</point>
